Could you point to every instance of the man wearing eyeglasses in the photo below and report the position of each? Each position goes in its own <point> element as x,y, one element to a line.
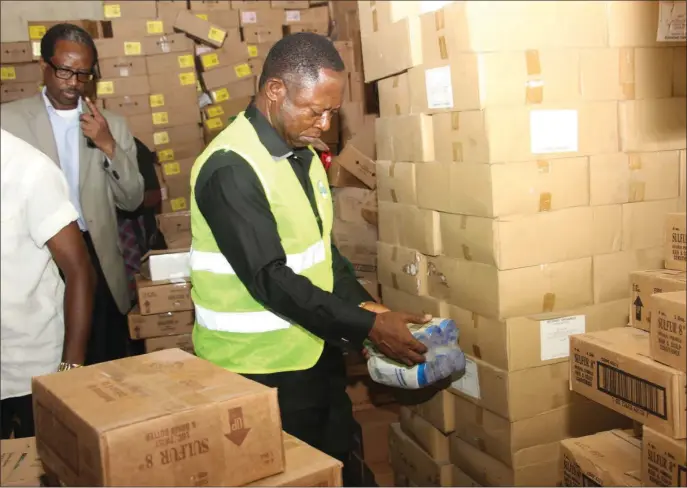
<point>97,154</point>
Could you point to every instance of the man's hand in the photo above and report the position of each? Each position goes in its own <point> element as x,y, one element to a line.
<point>95,127</point>
<point>391,336</point>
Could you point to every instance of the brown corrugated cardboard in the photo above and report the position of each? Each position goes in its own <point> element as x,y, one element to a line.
<point>116,9</point>
<point>396,182</point>
<point>504,189</point>
<point>634,24</point>
<point>38,28</point>
<point>348,204</point>
<point>347,53</point>
<point>240,89</point>
<point>341,178</point>
<point>676,241</point>
<point>409,459</point>
<point>489,292</point>
<point>162,297</point>
<point>154,411</point>
<point>226,19</point>
<point>526,133</point>
<point>392,50</point>
<point>644,223</point>
<point>183,342</point>
<point>405,138</point>
<point>405,302</point>
<point>227,110</point>
<point>20,463</point>
<point>652,125</point>
<point>259,50</point>
<point>314,15</point>
<point>251,17</point>
<point>679,72</point>
<point>119,87</point>
<point>643,284</point>
<point>181,151</point>
<point>669,329</point>
<point>459,478</point>
<point>177,136</point>
<point>175,114</point>
<point>249,4</point>
<point>514,395</point>
<point>290,4</point>
<point>16,91</point>
<point>148,46</point>
<point>394,95</point>
<point>613,368</point>
<point>605,459</point>
<point>304,466</point>
<point>683,177</point>
<point>163,324</point>
<point>200,29</point>
<point>402,268</point>
<point>123,67</point>
<point>231,54</point>
<point>636,177</point>
<point>526,342</point>
<point>541,465</point>
<point>374,425</point>
<point>21,73</point>
<point>410,226</point>
<point>176,229</point>
<point>262,34</point>
<point>358,164</point>
<point>15,52</point>
<point>612,271</point>
<point>509,442</point>
<point>437,410</point>
<point>209,5</point>
<point>321,28</point>
<point>132,28</point>
<point>230,74</point>
<point>182,84</point>
<point>376,16</point>
<point>519,241</point>
<point>664,460</point>
<point>357,242</point>
<point>365,393</point>
<point>432,440</point>
<point>169,63</point>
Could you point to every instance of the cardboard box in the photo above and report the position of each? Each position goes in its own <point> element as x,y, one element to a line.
<point>376,16</point>
<point>357,243</point>
<point>163,324</point>
<point>643,285</point>
<point>398,300</point>
<point>652,125</point>
<point>392,50</point>
<point>613,368</point>
<point>437,409</point>
<point>290,4</point>
<point>200,29</point>
<point>612,272</point>
<point>634,24</point>
<point>222,76</point>
<point>510,442</point>
<point>225,19</point>
<point>644,223</point>
<point>410,460</point>
<point>321,28</point>
<point>460,478</point>
<point>123,67</point>
<point>365,393</point>
<point>394,95</point>
<point>402,269</point>
<point>183,342</point>
<point>169,7</point>
<point>669,330</point>
<point>396,182</point>
<point>170,63</point>
<point>175,114</point>
<point>374,424</point>
<point>20,463</point>
<point>358,164</point>
<point>251,17</point>
<point>339,177</point>
<point>676,241</point>
<point>182,83</point>
<point>304,466</point>
<point>542,467</point>
<point>679,72</point>
<point>432,440</point>
<point>120,87</point>
<point>15,52</point>
<point>227,110</point>
<point>501,190</point>
<point>260,34</point>
<point>21,73</point>
<point>683,178</point>
<point>231,54</point>
<point>348,204</point>
<point>313,16</point>
<point>116,9</point>
<point>605,459</point>
<point>209,5</point>
<point>240,89</point>
<point>144,46</point>
<point>249,4</point>
<point>624,178</point>
<point>133,28</point>
<point>161,297</point>
<point>526,342</point>
<point>176,228</point>
<point>405,138</point>
<point>180,152</point>
<point>138,407</point>
<point>526,133</point>
<point>410,226</point>
<point>664,459</point>
<point>180,135</point>
<point>347,53</point>
<point>38,28</point>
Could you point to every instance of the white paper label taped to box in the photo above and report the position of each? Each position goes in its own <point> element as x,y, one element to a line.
<point>249,17</point>
<point>553,131</point>
<point>293,15</point>
<point>469,382</point>
<point>555,335</point>
<point>439,87</point>
<point>672,24</point>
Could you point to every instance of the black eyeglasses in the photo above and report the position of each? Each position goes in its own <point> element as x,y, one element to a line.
<point>66,74</point>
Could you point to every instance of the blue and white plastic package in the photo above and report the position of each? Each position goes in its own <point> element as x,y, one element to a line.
<point>443,358</point>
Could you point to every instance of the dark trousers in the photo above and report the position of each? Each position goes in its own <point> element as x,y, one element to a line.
<point>315,407</point>
<point>16,415</point>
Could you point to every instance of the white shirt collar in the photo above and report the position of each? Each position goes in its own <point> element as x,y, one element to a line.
<point>49,106</point>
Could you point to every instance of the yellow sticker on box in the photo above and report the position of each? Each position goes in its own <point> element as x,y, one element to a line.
<point>8,73</point>
<point>243,70</point>
<point>155,27</point>
<point>36,32</point>
<point>132,48</point>
<point>178,204</point>
<point>202,16</point>
<point>215,111</point>
<point>252,51</point>
<point>165,155</point>
<point>113,11</point>
<point>160,118</point>
<point>187,78</point>
<point>221,95</point>
<point>216,34</point>
<point>171,169</point>
<point>209,60</point>
<point>186,61</point>
<point>157,100</point>
<point>160,138</point>
<point>214,123</point>
<point>105,88</point>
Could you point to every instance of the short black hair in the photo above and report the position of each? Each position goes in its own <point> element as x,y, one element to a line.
<point>303,54</point>
<point>66,32</point>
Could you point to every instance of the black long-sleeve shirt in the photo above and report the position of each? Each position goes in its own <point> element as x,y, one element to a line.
<point>233,202</point>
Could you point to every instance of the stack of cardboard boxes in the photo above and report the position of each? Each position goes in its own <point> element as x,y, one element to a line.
<point>639,371</point>
<point>20,77</point>
<point>523,171</point>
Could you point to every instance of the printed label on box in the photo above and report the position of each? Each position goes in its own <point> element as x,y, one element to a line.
<point>160,138</point>
<point>221,95</point>
<point>439,87</point>
<point>252,51</point>
<point>157,100</point>
<point>469,382</point>
<point>249,17</point>
<point>215,111</point>
<point>293,15</point>
<point>186,61</point>
<point>155,27</point>
<point>202,16</point>
<point>105,88</point>
<point>243,70</point>
<point>171,169</point>
<point>209,60</point>
<point>160,118</point>
<point>132,48</point>
<point>555,335</point>
<point>36,32</point>
<point>166,155</point>
<point>187,79</point>
<point>214,123</point>
<point>112,11</point>
<point>553,131</point>
<point>123,72</point>
<point>672,24</point>
<point>178,204</point>
<point>8,73</point>
<point>216,34</point>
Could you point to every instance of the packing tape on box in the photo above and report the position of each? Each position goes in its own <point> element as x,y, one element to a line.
<point>636,189</point>
<point>456,146</point>
<point>440,24</point>
<point>534,88</point>
<point>476,351</point>
<point>626,75</point>
<point>543,167</point>
<point>392,193</point>
<point>548,302</point>
<point>375,21</point>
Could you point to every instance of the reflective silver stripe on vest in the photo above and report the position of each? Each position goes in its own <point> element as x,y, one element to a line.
<point>240,322</point>
<point>215,262</point>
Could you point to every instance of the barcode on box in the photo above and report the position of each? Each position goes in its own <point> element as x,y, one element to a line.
<point>636,391</point>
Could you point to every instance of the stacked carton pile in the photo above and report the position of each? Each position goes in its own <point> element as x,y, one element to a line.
<point>20,77</point>
<point>524,169</point>
<point>639,371</point>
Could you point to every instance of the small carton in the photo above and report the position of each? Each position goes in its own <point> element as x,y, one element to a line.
<point>182,341</point>
<point>259,34</point>
<point>128,105</point>
<point>676,241</point>
<point>176,229</point>
<point>164,296</point>
<point>170,63</point>
<point>643,284</point>
<point>122,67</point>
<point>122,9</point>
<point>358,164</point>
<point>20,463</point>
<point>200,29</point>
<point>120,87</point>
<point>431,439</point>
<point>169,264</point>
<point>664,459</point>
<point>15,52</point>
<point>408,458</point>
<point>162,419</point>
<point>158,325</point>
<point>220,77</point>
<point>613,368</point>
<point>231,91</point>
<point>669,330</point>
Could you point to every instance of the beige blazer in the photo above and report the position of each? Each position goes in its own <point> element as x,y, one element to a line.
<point>103,189</point>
